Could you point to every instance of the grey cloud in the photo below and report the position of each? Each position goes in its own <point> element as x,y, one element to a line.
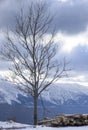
<point>10,8</point>
<point>8,11</point>
<point>72,18</point>
<point>79,58</point>
<point>69,18</point>
<point>5,65</point>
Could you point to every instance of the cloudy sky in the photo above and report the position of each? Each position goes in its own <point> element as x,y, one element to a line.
<point>71,21</point>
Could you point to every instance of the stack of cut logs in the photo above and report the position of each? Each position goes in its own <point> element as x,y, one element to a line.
<point>65,120</point>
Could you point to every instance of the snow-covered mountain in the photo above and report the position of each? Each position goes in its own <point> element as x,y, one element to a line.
<point>57,94</point>
<point>59,98</point>
<point>62,93</point>
<point>9,92</point>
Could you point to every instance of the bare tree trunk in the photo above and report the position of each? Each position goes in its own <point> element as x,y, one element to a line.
<point>35,110</point>
<point>32,51</point>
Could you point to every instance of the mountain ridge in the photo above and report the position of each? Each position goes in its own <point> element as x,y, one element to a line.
<point>55,94</point>
<point>60,93</point>
<point>57,99</point>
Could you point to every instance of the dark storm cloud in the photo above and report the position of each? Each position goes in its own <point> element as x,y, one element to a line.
<point>70,17</point>
<point>9,9</point>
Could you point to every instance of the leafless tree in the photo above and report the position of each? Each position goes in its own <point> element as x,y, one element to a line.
<point>32,52</point>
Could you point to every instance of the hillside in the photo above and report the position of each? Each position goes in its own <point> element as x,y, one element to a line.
<point>65,93</point>
<point>59,98</point>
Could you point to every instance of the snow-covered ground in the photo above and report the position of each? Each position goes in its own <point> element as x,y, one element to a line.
<point>18,126</point>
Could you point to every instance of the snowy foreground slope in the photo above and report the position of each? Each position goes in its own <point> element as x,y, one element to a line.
<point>18,126</point>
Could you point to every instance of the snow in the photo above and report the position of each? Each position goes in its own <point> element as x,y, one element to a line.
<point>18,126</point>
<point>60,93</point>
<point>8,92</point>
<point>10,124</point>
<point>57,93</point>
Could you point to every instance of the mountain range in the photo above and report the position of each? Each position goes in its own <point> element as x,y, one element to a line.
<point>57,99</point>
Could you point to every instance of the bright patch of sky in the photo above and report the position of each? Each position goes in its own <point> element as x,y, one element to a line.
<point>69,42</point>
<point>64,0</point>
